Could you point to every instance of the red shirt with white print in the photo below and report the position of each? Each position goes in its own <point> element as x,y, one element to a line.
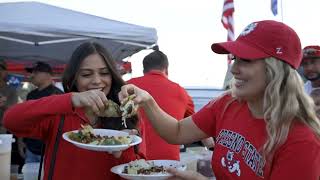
<point>240,136</point>
<point>174,100</point>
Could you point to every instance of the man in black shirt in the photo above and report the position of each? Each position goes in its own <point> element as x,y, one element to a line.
<point>41,76</point>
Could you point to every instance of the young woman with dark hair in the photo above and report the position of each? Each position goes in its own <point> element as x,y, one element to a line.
<point>89,80</point>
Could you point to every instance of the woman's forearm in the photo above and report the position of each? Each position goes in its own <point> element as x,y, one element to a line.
<point>27,116</point>
<point>165,125</point>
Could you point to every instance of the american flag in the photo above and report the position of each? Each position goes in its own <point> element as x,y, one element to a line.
<point>274,7</point>
<point>227,18</point>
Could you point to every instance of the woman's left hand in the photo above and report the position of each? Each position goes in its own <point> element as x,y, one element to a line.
<point>117,154</point>
<point>141,96</point>
<point>185,175</point>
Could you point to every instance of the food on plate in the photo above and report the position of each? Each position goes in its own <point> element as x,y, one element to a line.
<point>112,110</point>
<point>128,108</point>
<point>85,135</point>
<point>143,167</point>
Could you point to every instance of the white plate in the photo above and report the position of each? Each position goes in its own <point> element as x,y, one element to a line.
<point>166,163</point>
<point>106,148</point>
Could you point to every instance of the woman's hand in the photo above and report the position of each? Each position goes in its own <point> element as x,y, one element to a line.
<point>141,96</point>
<point>185,175</point>
<point>93,99</point>
<point>117,154</point>
<point>131,131</point>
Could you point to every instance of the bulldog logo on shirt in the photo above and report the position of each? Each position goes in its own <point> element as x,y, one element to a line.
<point>232,165</point>
<point>246,152</point>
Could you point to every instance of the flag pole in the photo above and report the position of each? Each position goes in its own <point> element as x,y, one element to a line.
<point>281,11</point>
<point>228,24</point>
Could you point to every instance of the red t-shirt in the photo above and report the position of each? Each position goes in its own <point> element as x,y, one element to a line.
<point>40,119</point>
<point>174,100</point>
<point>240,136</point>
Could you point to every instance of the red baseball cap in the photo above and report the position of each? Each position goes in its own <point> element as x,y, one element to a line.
<point>311,52</point>
<point>263,39</point>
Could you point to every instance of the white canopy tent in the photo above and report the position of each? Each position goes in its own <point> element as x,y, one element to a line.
<point>31,31</point>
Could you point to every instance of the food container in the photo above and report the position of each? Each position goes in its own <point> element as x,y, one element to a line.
<point>203,163</point>
<point>190,160</point>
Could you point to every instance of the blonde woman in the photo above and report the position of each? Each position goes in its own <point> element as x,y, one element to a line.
<point>265,126</point>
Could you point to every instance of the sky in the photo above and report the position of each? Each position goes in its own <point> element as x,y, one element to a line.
<point>187,28</point>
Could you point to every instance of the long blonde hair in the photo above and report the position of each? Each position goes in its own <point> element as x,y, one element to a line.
<point>285,101</point>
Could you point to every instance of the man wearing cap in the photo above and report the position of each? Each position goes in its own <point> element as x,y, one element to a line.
<point>41,76</point>
<point>311,67</point>
<point>8,95</point>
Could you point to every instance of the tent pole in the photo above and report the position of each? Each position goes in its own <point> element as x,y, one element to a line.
<point>17,40</point>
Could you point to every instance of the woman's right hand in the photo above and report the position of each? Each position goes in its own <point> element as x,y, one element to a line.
<point>141,96</point>
<point>117,154</point>
<point>92,99</point>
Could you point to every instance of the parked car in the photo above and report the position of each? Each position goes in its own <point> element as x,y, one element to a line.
<point>202,95</point>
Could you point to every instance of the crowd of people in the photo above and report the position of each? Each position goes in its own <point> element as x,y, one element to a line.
<point>266,126</point>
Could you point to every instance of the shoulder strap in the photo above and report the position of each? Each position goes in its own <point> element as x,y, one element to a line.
<point>43,148</point>
<point>56,145</point>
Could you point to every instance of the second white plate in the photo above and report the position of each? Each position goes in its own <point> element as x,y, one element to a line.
<point>159,176</point>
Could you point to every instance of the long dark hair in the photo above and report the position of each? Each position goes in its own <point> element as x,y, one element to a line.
<point>71,72</point>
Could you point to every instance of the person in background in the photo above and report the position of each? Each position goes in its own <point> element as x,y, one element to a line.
<point>170,96</point>
<point>315,95</point>
<point>8,95</point>
<point>89,80</point>
<point>265,126</point>
<point>311,67</point>
<point>41,77</point>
